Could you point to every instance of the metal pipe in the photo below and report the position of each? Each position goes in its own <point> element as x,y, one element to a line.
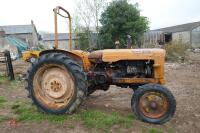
<point>56,11</point>
<point>56,29</point>
<point>70,33</point>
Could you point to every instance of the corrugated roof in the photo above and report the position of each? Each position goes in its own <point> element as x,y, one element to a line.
<point>180,28</point>
<point>61,36</point>
<point>17,29</point>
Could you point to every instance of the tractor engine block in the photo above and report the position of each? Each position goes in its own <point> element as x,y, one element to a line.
<point>104,72</point>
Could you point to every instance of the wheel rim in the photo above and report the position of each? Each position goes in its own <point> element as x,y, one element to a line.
<point>153,105</point>
<point>53,86</point>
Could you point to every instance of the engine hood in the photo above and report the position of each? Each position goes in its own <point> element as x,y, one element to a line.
<point>113,55</point>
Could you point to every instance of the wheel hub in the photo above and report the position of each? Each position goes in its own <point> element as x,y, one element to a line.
<point>54,86</point>
<point>153,104</point>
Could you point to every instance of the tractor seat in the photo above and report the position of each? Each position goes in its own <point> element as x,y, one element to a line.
<point>95,56</point>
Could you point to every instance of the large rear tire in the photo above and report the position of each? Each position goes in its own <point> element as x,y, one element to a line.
<point>56,84</point>
<point>153,103</point>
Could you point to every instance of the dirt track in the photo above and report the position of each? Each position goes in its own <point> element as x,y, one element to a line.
<point>183,79</point>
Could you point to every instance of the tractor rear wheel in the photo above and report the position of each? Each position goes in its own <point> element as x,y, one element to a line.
<point>56,84</point>
<point>153,103</point>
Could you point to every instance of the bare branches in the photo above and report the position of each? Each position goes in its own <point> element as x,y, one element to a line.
<point>89,12</point>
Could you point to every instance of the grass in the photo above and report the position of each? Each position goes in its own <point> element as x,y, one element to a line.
<point>5,82</point>
<point>2,104</point>
<point>2,101</point>
<point>3,118</point>
<point>153,130</point>
<point>2,78</point>
<point>100,120</point>
<point>91,119</point>
<point>26,112</point>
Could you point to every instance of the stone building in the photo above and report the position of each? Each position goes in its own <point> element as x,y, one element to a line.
<point>5,46</point>
<point>186,33</point>
<point>26,33</point>
<point>63,40</point>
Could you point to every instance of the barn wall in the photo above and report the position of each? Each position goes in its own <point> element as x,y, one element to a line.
<point>153,37</point>
<point>196,37</point>
<point>182,37</point>
<point>2,42</point>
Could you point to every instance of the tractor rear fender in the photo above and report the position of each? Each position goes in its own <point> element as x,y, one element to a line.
<point>75,57</point>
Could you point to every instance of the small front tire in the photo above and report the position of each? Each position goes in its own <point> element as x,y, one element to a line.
<point>153,103</point>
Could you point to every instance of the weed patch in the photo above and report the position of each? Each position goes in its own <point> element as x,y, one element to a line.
<point>176,51</point>
<point>152,130</point>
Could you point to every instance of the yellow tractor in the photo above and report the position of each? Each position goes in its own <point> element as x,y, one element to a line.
<point>60,80</point>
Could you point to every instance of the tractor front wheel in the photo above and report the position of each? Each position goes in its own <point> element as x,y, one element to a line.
<point>153,103</point>
<point>56,84</point>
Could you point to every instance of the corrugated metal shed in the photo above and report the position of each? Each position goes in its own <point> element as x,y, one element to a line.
<point>180,28</point>
<point>17,29</point>
<point>61,36</point>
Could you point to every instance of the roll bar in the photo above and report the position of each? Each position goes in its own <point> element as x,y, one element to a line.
<point>56,13</point>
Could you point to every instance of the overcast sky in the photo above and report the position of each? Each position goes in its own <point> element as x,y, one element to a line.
<point>161,13</point>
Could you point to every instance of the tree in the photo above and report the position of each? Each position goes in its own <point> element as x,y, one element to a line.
<point>83,34</point>
<point>83,41</point>
<point>119,20</point>
<point>88,12</point>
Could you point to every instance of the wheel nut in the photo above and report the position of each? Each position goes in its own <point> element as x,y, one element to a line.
<point>153,105</point>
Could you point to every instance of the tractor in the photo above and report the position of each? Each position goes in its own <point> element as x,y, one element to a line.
<point>60,80</point>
